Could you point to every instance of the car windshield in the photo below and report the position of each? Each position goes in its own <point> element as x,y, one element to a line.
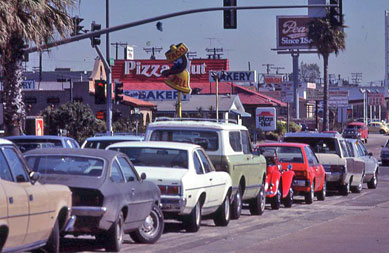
<point>318,145</point>
<point>68,165</point>
<point>207,139</point>
<point>24,147</point>
<point>102,144</point>
<point>286,154</point>
<point>156,157</point>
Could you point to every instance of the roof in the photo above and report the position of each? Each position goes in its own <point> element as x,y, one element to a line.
<point>54,76</point>
<point>157,144</point>
<point>98,153</point>
<point>313,135</point>
<point>116,137</point>
<point>5,141</point>
<point>172,123</point>
<point>283,144</point>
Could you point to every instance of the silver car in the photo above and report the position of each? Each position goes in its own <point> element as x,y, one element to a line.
<point>371,163</point>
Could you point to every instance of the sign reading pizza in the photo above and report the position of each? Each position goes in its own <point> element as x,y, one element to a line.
<point>265,118</point>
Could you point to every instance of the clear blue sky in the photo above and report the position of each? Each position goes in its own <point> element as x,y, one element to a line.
<point>251,42</point>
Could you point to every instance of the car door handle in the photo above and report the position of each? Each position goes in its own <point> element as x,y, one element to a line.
<point>11,200</point>
<point>31,197</point>
<point>210,179</point>
<point>133,191</point>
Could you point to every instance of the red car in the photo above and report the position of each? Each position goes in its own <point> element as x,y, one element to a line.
<point>309,176</point>
<point>361,128</point>
<point>278,184</point>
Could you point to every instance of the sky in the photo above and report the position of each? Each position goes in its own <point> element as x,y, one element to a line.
<point>250,44</point>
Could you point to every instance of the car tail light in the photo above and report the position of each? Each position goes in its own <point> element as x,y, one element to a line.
<point>301,173</point>
<point>86,197</point>
<point>170,189</point>
<point>337,168</point>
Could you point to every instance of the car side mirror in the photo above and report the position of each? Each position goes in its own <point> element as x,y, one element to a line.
<point>34,177</point>
<point>143,176</point>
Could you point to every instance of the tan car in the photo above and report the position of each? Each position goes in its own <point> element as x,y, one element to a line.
<point>377,127</point>
<point>32,215</point>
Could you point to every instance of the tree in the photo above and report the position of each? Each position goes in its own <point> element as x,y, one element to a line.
<point>309,72</point>
<point>23,23</point>
<point>74,117</point>
<point>327,37</point>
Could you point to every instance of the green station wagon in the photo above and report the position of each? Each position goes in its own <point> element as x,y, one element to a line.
<point>229,148</point>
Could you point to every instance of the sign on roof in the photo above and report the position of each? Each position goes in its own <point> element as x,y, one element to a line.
<point>337,98</point>
<point>233,76</point>
<point>270,79</point>
<point>375,99</point>
<point>265,118</point>
<point>155,95</point>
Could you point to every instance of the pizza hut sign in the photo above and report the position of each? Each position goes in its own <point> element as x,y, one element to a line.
<point>265,118</point>
<point>292,32</point>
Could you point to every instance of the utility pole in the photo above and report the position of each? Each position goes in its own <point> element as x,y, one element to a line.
<point>117,44</point>
<point>268,65</point>
<point>215,53</point>
<point>109,74</point>
<point>356,77</point>
<point>277,68</point>
<point>152,50</point>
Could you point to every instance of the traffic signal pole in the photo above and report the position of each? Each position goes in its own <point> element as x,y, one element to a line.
<point>109,74</point>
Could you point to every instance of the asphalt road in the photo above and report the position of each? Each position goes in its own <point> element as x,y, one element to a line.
<point>356,223</point>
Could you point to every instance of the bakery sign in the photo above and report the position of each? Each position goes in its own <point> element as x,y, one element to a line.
<point>292,32</point>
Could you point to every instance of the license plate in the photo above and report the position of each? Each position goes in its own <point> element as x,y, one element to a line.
<point>299,183</point>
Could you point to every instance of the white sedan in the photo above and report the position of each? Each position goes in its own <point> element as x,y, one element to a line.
<point>190,186</point>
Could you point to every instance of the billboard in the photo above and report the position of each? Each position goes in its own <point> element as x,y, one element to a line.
<point>233,76</point>
<point>265,118</point>
<point>337,98</point>
<point>292,32</point>
<point>276,79</point>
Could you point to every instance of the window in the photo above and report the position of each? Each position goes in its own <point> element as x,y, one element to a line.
<point>363,148</point>
<point>246,142</point>
<point>350,148</point>
<point>197,164</point>
<point>204,160</point>
<point>235,141</point>
<point>16,165</point>
<point>5,174</point>
<point>311,156</point>
<point>343,147</point>
<point>116,174</point>
<point>127,169</point>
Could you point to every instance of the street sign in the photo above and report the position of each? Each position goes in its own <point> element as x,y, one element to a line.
<point>234,76</point>
<point>265,118</point>
<point>375,99</point>
<point>337,98</point>
<point>315,94</point>
<point>287,92</point>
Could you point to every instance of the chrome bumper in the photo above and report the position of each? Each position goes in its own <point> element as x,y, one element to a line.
<point>93,211</point>
<point>69,226</point>
<point>335,176</point>
<point>173,203</point>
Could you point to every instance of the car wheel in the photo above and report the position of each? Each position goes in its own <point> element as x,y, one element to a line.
<point>114,237</point>
<point>194,219</point>
<point>288,201</point>
<point>310,195</point>
<point>257,205</point>
<point>382,131</point>
<point>276,201</point>
<point>358,188</point>
<point>345,189</point>
<point>151,229</point>
<point>322,194</point>
<point>52,244</point>
<point>236,209</point>
<point>222,215</point>
<point>372,184</point>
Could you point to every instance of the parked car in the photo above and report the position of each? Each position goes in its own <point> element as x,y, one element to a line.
<point>229,147</point>
<point>101,142</point>
<point>309,175</point>
<point>109,197</point>
<point>190,186</point>
<point>356,130</point>
<point>32,215</point>
<point>29,142</point>
<point>377,127</point>
<point>332,152</point>
<point>385,154</point>
<point>370,172</point>
<point>278,186</point>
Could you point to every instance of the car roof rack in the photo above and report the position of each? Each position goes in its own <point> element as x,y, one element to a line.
<point>158,119</point>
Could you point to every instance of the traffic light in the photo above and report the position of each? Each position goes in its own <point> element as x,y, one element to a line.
<point>118,91</point>
<point>229,16</point>
<point>100,91</point>
<point>336,15</point>
<point>95,40</point>
<point>77,28</point>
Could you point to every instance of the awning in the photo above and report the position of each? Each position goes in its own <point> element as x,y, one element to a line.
<point>242,114</point>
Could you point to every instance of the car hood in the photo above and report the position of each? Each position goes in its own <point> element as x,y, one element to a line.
<point>330,159</point>
<point>162,175</point>
<point>72,180</point>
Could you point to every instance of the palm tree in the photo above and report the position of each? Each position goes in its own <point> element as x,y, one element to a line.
<point>328,37</point>
<point>23,23</point>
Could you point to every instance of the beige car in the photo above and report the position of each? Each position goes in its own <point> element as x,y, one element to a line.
<point>32,215</point>
<point>378,127</point>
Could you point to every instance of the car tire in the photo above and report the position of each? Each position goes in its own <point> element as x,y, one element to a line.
<point>358,188</point>
<point>310,195</point>
<point>275,202</point>
<point>345,189</point>
<point>288,201</point>
<point>236,209</point>
<point>372,184</point>
<point>223,214</point>
<point>382,131</point>
<point>151,229</point>
<point>114,236</point>
<point>52,244</point>
<point>257,205</point>
<point>193,220</point>
<point>322,194</point>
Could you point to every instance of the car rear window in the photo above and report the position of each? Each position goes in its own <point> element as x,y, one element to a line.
<point>318,145</point>
<point>66,165</point>
<point>100,144</point>
<point>209,140</point>
<point>286,154</point>
<point>156,157</point>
